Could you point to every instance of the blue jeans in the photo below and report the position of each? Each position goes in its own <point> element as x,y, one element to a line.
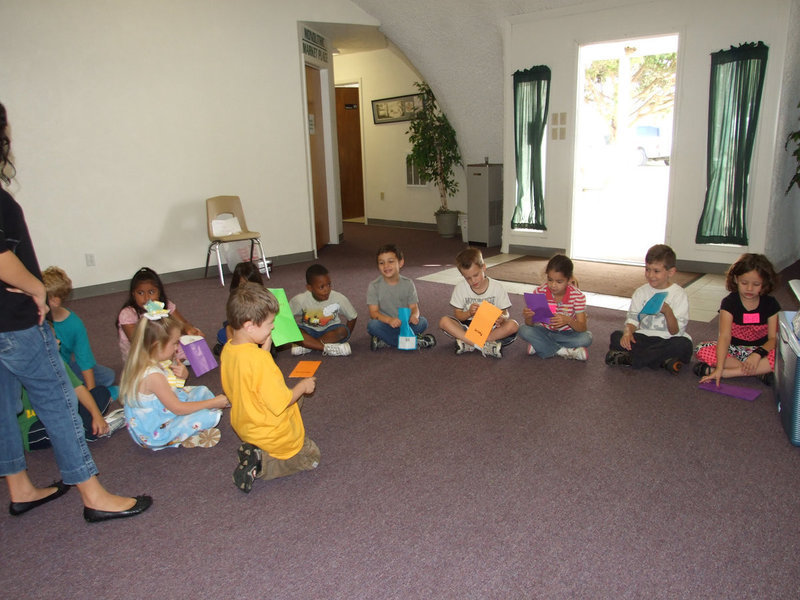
<point>316,333</point>
<point>547,342</point>
<point>103,375</point>
<point>30,357</point>
<point>390,334</point>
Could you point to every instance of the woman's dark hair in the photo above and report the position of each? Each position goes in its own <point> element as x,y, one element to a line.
<point>5,149</point>
<point>752,262</point>
<point>144,274</point>
<point>560,264</point>
<point>246,271</point>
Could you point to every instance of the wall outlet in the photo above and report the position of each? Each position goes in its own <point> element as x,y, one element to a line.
<point>89,260</point>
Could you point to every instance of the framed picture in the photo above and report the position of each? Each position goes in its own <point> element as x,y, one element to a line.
<point>394,110</point>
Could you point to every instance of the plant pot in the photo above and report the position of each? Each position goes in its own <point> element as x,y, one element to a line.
<point>446,224</point>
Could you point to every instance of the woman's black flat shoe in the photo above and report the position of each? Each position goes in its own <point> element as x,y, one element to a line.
<point>18,508</point>
<point>93,515</point>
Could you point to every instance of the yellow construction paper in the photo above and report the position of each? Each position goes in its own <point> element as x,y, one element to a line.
<point>482,323</point>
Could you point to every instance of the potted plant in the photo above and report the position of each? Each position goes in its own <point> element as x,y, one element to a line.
<point>435,153</point>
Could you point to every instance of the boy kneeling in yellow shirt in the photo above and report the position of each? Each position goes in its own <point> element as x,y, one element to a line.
<point>264,411</point>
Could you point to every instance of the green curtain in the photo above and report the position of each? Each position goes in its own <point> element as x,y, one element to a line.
<point>737,78</point>
<point>531,104</point>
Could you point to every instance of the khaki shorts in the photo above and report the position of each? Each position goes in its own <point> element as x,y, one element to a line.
<point>306,459</point>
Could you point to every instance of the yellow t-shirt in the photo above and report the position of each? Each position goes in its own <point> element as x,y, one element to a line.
<point>260,411</point>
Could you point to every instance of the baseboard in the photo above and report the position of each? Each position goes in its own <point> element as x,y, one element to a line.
<point>113,287</point>
<point>403,224</point>
<point>697,266</point>
<point>534,250</point>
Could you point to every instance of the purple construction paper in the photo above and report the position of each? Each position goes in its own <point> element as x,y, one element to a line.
<point>736,391</point>
<point>538,304</point>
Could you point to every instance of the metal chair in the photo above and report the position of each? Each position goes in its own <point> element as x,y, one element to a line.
<point>221,205</point>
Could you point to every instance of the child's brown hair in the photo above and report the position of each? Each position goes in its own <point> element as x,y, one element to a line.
<point>468,257</point>
<point>250,302</point>
<point>752,262</point>
<point>393,248</point>
<point>663,254</point>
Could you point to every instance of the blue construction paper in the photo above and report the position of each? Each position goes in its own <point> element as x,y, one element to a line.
<point>653,306</point>
<point>538,304</point>
<point>406,339</point>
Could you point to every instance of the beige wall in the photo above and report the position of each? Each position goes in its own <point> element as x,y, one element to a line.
<point>384,74</point>
<point>127,115</point>
<point>703,27</point>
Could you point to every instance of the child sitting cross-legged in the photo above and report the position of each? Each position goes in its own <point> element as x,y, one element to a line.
<point>326,317</point>
<point>158,415</point>
<point>565,333</point>
<point>71,333</point>
<point>467,296</point>
<point>386,295</point>
<point>265,413</point>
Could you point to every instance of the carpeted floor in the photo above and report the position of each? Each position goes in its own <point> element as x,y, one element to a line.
<point>601,278</point>
<point>442,476</point>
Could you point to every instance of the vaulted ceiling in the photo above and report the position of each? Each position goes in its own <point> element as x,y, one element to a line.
<point>457,47</point>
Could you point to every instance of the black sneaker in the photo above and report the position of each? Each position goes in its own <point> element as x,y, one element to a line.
<point>249,460</point>
<point>618,358</point>
<point>767,379</point>
<point>702,369</point>
<point>425,340</point>
<point>673,365</point>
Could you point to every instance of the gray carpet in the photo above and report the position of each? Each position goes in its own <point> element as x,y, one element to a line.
<point>442,476</point>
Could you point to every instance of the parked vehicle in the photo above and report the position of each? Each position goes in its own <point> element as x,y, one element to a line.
<point>651,145</point>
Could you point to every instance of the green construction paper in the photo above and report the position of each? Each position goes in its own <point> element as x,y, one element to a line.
<point>286,329</point>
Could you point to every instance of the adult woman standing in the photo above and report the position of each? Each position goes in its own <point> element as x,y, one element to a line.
<point>29,356</point>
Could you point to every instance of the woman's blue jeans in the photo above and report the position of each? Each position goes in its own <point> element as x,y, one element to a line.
<point>30,357</point>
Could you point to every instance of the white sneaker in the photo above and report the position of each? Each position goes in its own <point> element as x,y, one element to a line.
<point>572,353</point>
<point>462,347</point>
<point>492,349</point>
<point>298,350</point>
<point>531,350</point>
<point>115,420</point>
<point>342,349</point>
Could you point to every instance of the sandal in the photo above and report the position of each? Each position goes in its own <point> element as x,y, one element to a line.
<point>702,369</point>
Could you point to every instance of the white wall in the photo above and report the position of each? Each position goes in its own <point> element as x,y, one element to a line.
<point>703,27</point>
<point>384,74</point>
<point>127,115</point>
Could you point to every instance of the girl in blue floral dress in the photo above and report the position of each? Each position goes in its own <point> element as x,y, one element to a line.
<point>157,415</point>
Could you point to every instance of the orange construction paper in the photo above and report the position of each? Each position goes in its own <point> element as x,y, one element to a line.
<point>482,323</point>
<point>306,368</point>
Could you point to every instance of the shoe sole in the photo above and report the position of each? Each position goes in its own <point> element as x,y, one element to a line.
<point>245,474</point>
<point>208,438</point>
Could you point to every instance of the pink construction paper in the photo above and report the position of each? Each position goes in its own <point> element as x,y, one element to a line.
<point>736,391</point>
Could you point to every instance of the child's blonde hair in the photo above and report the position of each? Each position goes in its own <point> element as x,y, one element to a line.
<point>57,283</point>
<point>148,337</point>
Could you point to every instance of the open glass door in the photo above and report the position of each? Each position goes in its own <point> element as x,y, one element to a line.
<point>624,139</point>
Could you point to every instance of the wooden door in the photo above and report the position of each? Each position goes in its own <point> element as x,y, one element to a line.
<point>348,123</point>
<point>316,144</point>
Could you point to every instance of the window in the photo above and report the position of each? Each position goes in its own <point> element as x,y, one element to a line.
<point>412,174</point>
<point>531,104</point>
<point>737,78</point>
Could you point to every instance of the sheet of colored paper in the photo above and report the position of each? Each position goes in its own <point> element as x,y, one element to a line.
<point>538,304</point>
<point>482,323</point>
<point>736,391</point>
<point>305,368</point>
<point>286,329</point>
<point>653,306</point>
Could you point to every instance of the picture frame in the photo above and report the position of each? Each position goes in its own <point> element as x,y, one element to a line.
<point>396,109</point>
